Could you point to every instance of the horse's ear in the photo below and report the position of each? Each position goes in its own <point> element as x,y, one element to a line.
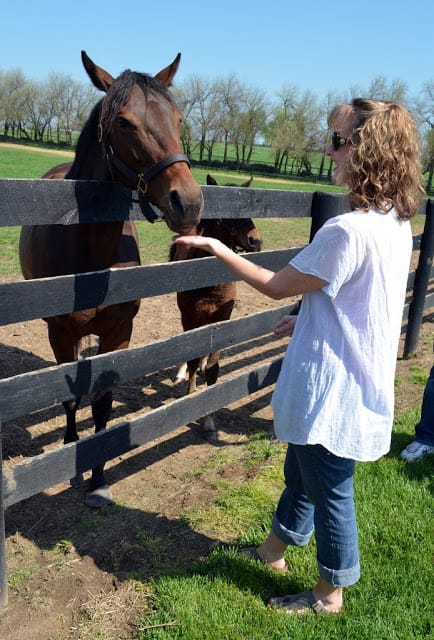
<point>100,78</point>
<point>210,180</point>
<point>166,75</point>
<point>247,183</point>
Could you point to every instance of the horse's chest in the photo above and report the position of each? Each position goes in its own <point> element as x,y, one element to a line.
<point>207,299</point>
<point>99,321</point>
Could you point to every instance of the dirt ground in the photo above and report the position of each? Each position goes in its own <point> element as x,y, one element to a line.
<point>70,568</point>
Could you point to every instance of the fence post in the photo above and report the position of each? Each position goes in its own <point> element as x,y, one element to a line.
<point>421,281</point>
<point>325,206</point>
<point>3,572</point>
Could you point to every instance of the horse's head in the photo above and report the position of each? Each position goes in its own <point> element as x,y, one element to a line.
<point>213,182</point>
<point>240,234</point>
<point>139,132</point>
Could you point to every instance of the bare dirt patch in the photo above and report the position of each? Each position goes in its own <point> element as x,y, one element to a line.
<point>71,569</point>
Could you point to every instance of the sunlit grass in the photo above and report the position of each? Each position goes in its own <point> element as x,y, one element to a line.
<point>225,596</point>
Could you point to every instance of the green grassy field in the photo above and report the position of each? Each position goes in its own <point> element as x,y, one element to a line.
<point>224,597</point>
<point>154,240</point>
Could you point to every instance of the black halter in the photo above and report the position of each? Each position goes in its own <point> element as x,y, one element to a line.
<point>140,180</point>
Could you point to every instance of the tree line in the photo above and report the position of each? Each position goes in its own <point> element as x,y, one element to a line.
<point>224,110</point>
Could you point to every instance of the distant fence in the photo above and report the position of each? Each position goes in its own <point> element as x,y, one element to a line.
<point>70,202</point>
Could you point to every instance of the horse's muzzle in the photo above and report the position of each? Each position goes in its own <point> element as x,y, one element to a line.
<point>182,212</point>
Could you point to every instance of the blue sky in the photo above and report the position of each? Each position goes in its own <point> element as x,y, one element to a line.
<point>318,45</point>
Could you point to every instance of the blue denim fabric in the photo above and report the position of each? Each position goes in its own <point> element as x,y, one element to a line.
<point>425,428</point>
<point>319,497</point>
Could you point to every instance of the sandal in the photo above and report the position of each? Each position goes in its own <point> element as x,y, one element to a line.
<point>300,603</point>
<point>252,554</point>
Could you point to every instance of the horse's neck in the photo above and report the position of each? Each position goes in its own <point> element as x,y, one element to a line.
<point>89,162</point>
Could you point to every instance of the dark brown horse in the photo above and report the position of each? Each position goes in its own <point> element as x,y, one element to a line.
<point>208,305</point>
<point>132,137</point>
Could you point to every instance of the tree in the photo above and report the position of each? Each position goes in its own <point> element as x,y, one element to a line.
<point>230,92</point>
<point>424,110</point>
<point>70,104</point>
<point>12,100</point>
<point>249,124</point>
<point>197,97</point>
<point>380,88</point>
<point>37,109</point>
<point>295,130</point>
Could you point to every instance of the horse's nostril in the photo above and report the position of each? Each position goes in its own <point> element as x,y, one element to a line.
<point>175,201</point>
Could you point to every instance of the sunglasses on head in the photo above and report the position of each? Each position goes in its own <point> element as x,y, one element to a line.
<point>338,141</point>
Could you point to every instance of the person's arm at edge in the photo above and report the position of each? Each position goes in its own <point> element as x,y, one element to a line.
<point>286,282</point>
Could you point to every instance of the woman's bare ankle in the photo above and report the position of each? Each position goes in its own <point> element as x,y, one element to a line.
<point>272,551</point>
<point>329,595</point>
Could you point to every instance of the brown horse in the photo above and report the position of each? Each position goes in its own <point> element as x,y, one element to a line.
<point>207,305</point>
<point>132,137</point>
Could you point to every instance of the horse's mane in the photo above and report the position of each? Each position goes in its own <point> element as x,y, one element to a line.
<point>87,136</point>
<point>119,91</point>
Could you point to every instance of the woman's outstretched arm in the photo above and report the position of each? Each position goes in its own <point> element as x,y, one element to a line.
<point>286,282</point>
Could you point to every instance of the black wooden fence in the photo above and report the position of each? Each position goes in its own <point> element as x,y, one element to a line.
<point>70,202</point>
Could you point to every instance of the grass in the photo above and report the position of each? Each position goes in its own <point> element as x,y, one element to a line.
<point>29,162</point>
<point>225,596</point>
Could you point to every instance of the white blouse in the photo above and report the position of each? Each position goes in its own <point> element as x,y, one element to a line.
<point>336,385</point>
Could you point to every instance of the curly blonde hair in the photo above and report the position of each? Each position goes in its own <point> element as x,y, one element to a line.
<point>384,168</point>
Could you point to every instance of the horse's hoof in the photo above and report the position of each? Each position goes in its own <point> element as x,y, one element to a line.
<point>76,481</point>
<point>99,497</point>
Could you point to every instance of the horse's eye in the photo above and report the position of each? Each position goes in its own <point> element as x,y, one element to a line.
<point>124,123</point>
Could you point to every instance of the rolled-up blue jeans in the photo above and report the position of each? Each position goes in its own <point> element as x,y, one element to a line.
<point>425,428</point>
<point>319,497</point>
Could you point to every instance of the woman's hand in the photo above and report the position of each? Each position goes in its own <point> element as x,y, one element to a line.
<point>285,326</point>
<point>202,242</point>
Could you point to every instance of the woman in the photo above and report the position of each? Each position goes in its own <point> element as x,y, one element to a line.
<point>344,343</point>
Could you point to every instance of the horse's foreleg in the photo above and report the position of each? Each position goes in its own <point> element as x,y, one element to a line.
<point>71,407</point>
<point>212,369</point>
<point>99,494</point>
<point>192,366</point>
<point>181,374</point>
<point>64,347</point>
<point>71,434</point>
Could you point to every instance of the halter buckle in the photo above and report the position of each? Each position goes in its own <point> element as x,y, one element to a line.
<point>142,185</point>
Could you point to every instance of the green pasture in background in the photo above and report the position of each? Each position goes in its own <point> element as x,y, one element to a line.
<point>154,240</point>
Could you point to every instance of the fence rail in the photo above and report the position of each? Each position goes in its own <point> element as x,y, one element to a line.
<point>70,202</point>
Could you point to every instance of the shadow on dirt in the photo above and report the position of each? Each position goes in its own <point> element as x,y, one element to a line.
<point>124,540</point>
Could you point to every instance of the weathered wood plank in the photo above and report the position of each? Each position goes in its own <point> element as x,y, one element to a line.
<point>52,296</point>
<point>27,392</point>
<point>62,201</point>
<point>72,201</point>
<point>228,202</point>
<point>48,469</point>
